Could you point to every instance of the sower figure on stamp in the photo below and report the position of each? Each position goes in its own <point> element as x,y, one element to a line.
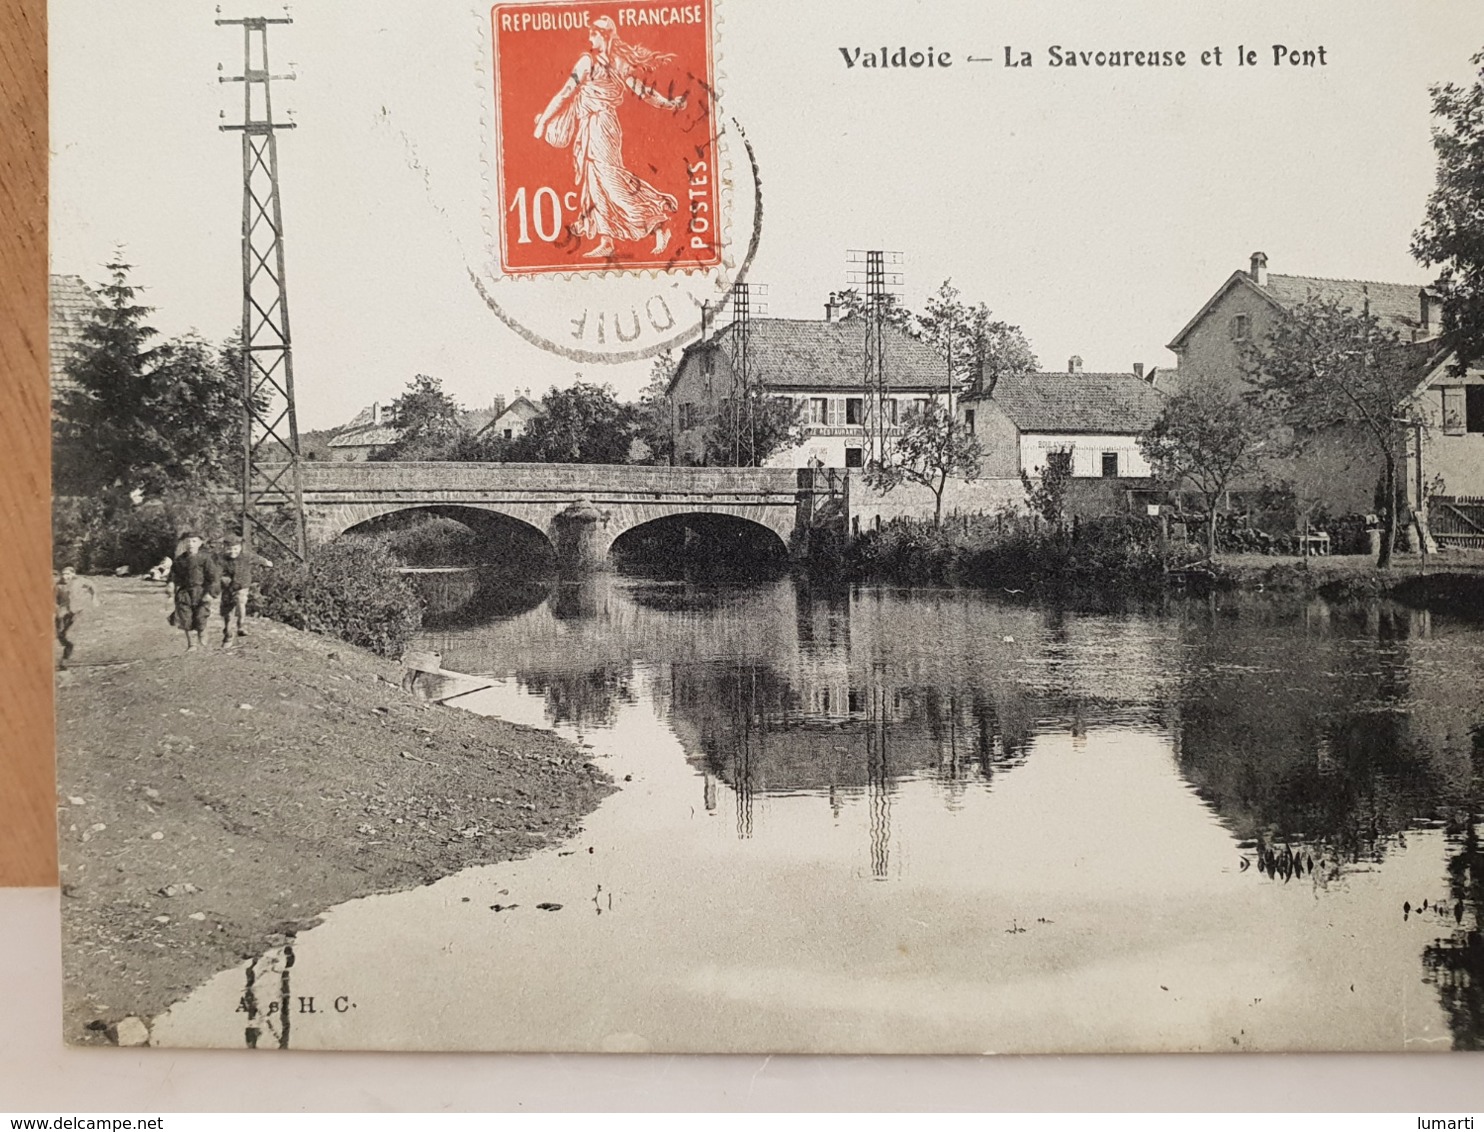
<point>237,570</point>
<point>68,592</point>
<point>616,205</point>
<point>196,578</point>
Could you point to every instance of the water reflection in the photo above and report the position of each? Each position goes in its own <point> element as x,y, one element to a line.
<point>465,597</point>
<point>1320,736</point>
<point>1455,962</point>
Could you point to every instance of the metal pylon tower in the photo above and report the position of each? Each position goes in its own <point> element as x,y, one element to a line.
<point>271,477</point>
<point>747,299</point>
<point>876,378</point>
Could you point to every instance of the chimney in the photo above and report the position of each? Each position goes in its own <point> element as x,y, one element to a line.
<point>1259,270</point>
<point>834,310</point>
<point>1139,370</point>
<point>1432,313</point>
<point>375,412</point>
<point>1074,364</point>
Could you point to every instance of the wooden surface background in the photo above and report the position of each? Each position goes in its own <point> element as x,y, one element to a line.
<point>28,852</point>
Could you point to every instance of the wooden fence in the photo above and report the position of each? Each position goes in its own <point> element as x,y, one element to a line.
<point>1457,520</point>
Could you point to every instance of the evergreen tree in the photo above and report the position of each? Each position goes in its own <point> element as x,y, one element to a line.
<point>143,417</point>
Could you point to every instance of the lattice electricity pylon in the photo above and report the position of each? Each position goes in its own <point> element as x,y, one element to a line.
<point>270,447</point>
<point>876,381</point>
<point>746,300</point>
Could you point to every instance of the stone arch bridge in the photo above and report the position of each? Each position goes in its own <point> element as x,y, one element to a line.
<point>580,508</point>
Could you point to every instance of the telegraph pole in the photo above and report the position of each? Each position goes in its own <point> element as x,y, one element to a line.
<point>270,443</point>
<point>877,381</point>
<point>747,300</point>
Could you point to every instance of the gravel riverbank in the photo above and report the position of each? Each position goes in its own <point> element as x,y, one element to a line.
<point>212,804</point>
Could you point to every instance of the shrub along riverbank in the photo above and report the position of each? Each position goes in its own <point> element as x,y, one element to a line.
<point>1121,553</point>
<point>350,588</point>
<point>1021,552</point>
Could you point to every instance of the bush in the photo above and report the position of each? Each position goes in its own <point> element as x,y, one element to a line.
<point>1023,551</point>
<point>97,536</point>
<point>431,540</point>
<point>348,589</point>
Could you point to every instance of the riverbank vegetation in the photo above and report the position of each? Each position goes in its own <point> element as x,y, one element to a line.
<point>1021,552</point>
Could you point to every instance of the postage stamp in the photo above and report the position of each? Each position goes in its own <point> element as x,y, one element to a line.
<point>606,128</point>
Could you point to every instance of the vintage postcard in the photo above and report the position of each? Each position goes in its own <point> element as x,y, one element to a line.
<point>740,526</point>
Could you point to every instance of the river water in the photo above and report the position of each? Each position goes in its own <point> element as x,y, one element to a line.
<point>887,820</point>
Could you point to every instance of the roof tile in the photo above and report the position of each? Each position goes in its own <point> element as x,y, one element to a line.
<point>816,353</point>
<point>1398,305</point>
<point>1118,403</point>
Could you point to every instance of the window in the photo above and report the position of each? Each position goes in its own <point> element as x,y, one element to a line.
<point>687,415</point>
<point>1110,465</point>
<point>890,407</point>
<point>1453,410</point>
<point>819,410</point>
<point>853,458</point>
<point>855,410</point>
<point>1474,414</point>
<point>969,419</point>
<point>510,434</point>
<point>837,410</point>
<point>1240,327</point>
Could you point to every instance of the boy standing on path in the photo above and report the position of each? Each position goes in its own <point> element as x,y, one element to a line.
<point>236,583</point>
<point>197,579</point>
<point>69,601</point>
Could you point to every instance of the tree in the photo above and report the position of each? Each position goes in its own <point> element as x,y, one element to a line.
<point>584,424</point>
<point>978,348</point>
<point>145,417</point>
<point>652,414</point>
<point>428,422</point>
<point>930,448</point>
<point>1208,438</point>
<point>893,312</point>
<point>1047,493</point>
<point>1452,231</point>
<point>1322,367</point>
<point>748,428</point>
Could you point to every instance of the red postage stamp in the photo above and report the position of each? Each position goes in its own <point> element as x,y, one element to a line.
<point>605,123</point>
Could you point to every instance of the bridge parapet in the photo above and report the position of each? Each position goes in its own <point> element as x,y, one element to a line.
<point>576,479</point>
<point>339,496</point>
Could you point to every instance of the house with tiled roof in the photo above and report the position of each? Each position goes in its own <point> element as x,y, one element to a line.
<point>1096,416</point>
<point>1209,347</point>
<point>513,419</point>
<point>368,432</point>
<point>1339,468</point>
<point>820,364</point>
<point>72,305</point>
<point>1445,456</point>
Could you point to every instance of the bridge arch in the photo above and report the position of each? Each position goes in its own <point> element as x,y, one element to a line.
<point>707,536</point>
<point>491,524</point>
<point>581,510</point>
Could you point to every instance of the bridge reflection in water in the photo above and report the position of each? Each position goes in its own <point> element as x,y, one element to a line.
<point>1321,736</point>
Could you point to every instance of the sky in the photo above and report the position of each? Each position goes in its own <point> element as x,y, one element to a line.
<point>1096,208</point>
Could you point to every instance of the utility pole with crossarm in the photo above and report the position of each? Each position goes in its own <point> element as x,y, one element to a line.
<point>270,447</point>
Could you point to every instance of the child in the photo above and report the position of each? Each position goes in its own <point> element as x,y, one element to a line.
<point>68,587</point>
<point>197,579</point>
<point>236,584</point>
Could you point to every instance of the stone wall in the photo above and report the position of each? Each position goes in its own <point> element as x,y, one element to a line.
<point>913,501</point>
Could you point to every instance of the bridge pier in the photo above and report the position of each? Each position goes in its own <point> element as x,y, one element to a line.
<point>579,533</point>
